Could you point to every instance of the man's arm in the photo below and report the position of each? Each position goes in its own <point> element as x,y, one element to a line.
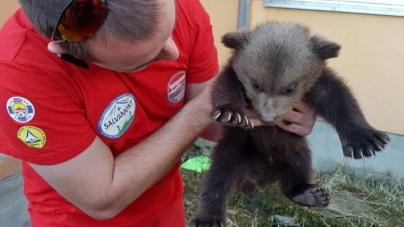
<point>102,186</point>
<point>211,133</point>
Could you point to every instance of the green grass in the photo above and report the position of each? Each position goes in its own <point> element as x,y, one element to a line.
<point>374,201</point>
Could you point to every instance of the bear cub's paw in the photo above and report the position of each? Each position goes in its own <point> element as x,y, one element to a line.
<point>312,197</point>
<point>205,221</point>
<point>360,143</point>
<point>228,117</point>
<point>248,188</point>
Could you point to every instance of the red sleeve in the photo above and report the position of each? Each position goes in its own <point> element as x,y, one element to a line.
<point>203,64</point>
<point>43,119</point>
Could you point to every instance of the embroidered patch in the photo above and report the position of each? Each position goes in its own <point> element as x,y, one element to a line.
<point>176,88</point>
<point>32,136</point>
<point>118,116</point>
<point>20,109</point>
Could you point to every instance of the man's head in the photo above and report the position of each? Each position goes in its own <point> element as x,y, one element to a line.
<point>134,34</point>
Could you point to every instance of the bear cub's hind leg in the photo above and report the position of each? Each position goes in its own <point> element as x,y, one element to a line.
<point>220,179</point>
<point>294,181</point>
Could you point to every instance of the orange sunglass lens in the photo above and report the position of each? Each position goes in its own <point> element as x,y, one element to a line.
<point>82,19</point>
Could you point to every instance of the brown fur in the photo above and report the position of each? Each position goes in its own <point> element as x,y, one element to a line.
<point>272,68</point>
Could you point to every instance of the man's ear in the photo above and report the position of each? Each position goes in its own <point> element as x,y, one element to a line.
<point>54,47</point>
<point>236,40</point>
<point>325,49</point>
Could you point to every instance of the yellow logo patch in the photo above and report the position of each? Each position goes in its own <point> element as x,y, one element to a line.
<point>32,136</point>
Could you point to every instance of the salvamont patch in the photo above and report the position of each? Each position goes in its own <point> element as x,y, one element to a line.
<point>118,116</point>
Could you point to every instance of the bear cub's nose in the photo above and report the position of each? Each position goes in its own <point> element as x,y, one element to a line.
<point>266,119</point>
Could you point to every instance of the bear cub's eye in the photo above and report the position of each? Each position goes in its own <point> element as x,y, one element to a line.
<point>255,85</point>
<point>289,90</point>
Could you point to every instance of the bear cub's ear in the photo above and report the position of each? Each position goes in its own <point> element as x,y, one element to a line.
<point>235,40</point>
<point>325,49</point>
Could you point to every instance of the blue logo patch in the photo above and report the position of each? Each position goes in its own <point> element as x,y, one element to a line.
<point>20,109</point>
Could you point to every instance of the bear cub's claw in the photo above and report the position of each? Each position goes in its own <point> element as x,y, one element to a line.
<point>231,118</point>
<point>313,197</point>
<point>200,221</point>
<point>362,143</point>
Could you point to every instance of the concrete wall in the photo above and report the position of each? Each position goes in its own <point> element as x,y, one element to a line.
<point>13,204</point>
<point>327,155</point>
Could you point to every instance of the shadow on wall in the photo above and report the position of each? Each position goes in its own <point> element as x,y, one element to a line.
<point>327,154</point>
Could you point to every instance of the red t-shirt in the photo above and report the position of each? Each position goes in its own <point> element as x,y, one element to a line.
<point>53,110</point>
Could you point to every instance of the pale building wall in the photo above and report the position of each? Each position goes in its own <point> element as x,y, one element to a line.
<point>7,7</point>
<point>224,15</point>
<point>371,58</point>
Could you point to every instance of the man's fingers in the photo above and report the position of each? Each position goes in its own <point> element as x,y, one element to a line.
<point>256,122</point>
<point>294,116</point>
<point>294,128</point>
<point>301,106</point>
<point>299,121</point>
<point>251,113</point>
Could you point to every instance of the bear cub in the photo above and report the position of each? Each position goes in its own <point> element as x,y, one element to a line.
<point>274,66</point>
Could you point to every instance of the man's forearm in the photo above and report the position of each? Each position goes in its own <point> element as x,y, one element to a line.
<point>140,167</point>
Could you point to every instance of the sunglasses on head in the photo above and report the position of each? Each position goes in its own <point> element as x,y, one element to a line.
<point>79,20</point>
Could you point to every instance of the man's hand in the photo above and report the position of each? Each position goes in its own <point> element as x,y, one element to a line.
<point>300,120</point>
